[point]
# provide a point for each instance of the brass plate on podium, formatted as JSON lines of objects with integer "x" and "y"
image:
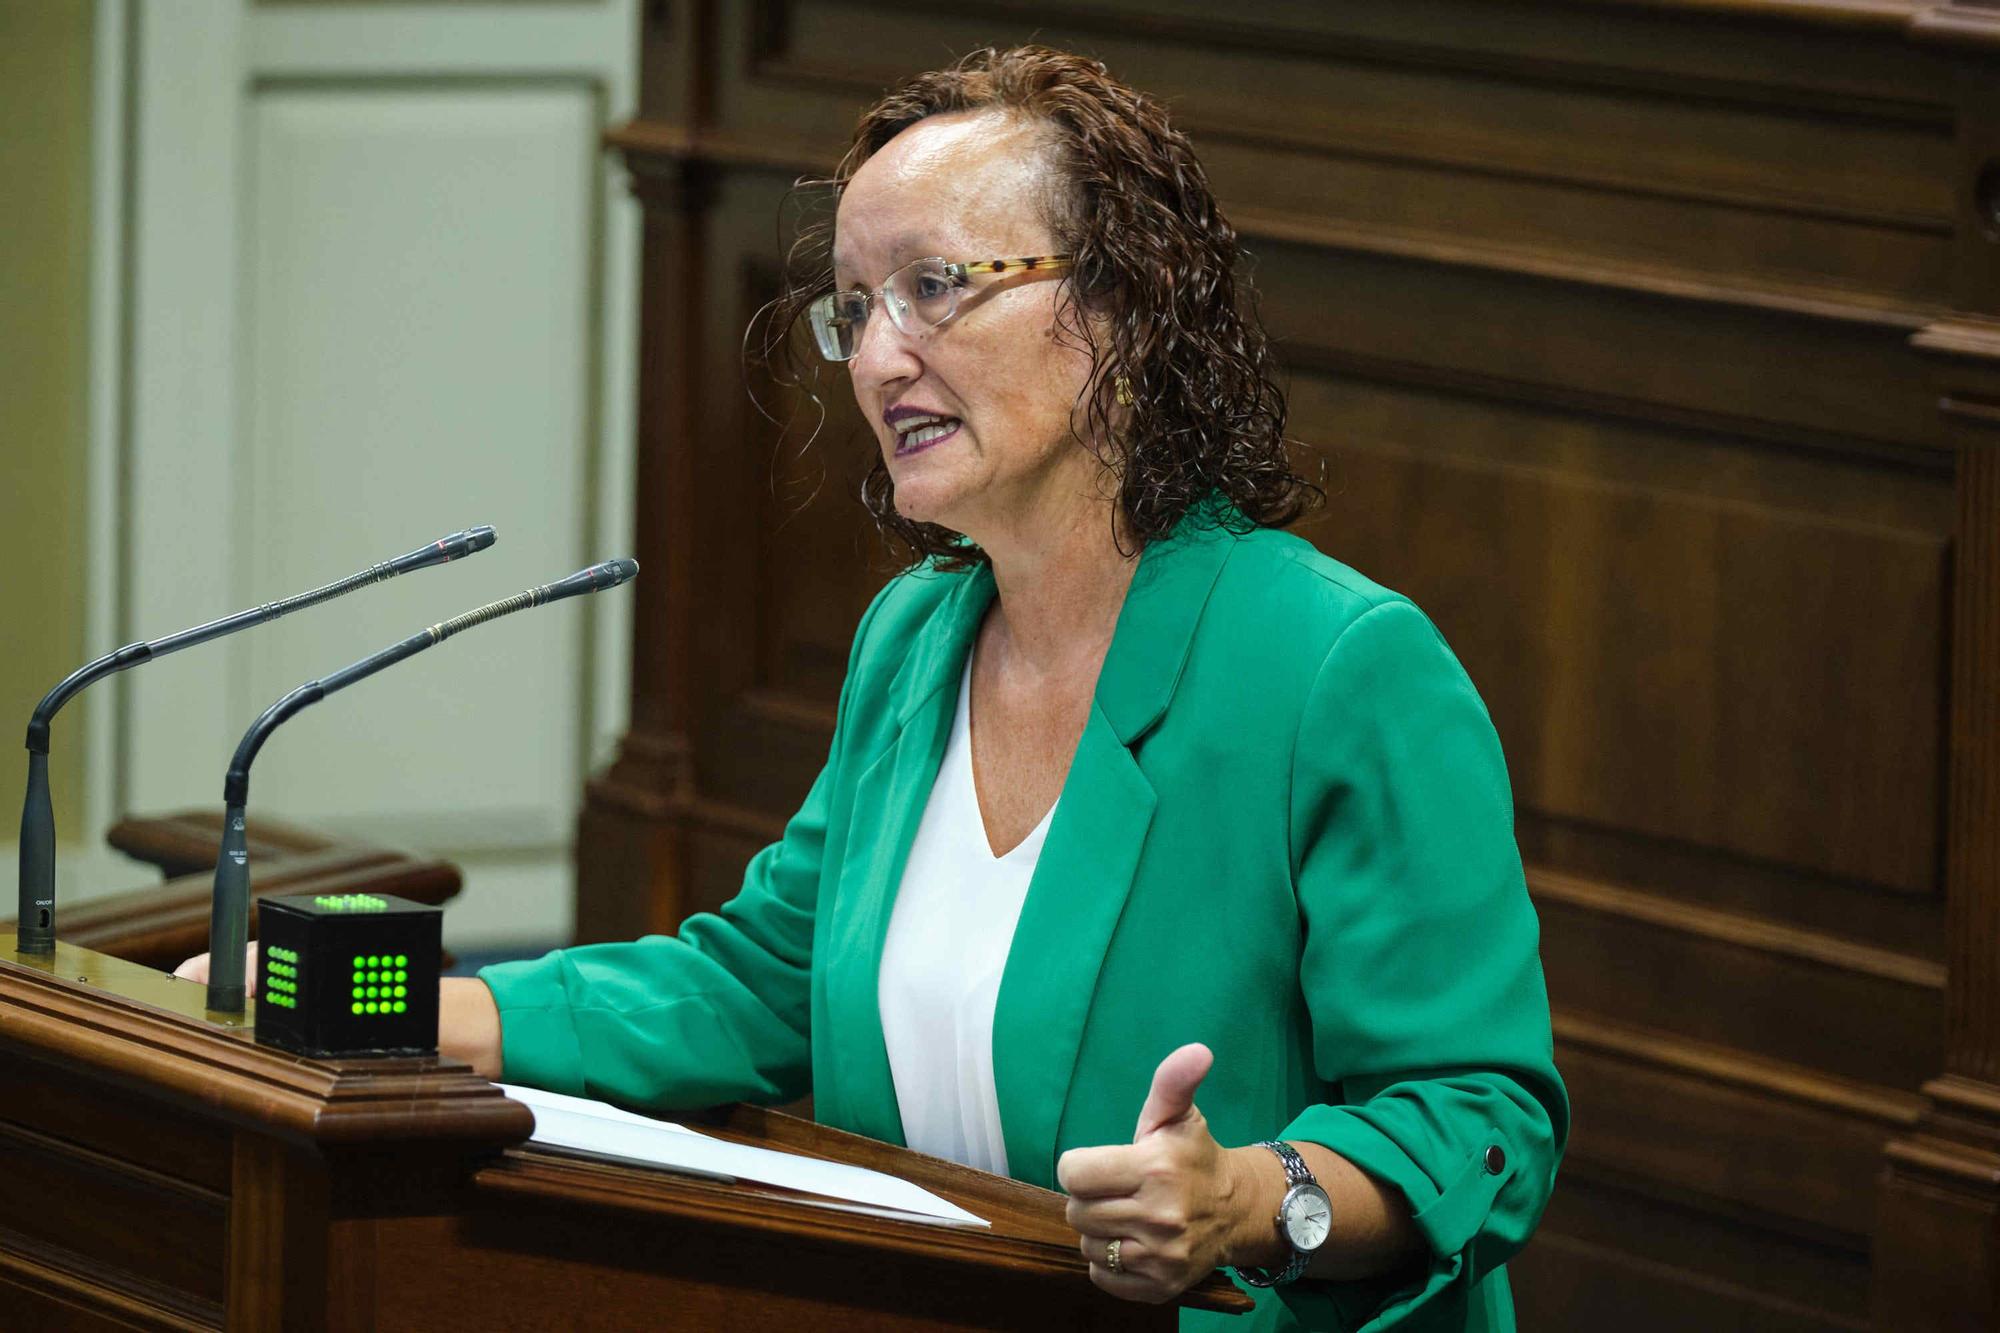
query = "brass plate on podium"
{"x": 130, "y": 981}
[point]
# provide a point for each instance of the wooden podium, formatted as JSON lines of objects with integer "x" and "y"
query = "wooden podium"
{"x": 160, "y": 1170}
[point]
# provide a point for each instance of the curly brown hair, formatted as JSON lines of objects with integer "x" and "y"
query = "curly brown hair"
{"x": 1153, "y": 268}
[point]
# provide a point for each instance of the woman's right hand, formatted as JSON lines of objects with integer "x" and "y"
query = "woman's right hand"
{"x": 469, "y": 1025}
{"x": 196, "y": 969}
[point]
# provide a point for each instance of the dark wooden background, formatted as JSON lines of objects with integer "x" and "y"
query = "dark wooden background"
{"x": 1654, "y": 346}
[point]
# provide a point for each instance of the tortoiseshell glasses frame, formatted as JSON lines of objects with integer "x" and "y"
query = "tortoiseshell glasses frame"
{"x": 919, "y": 296}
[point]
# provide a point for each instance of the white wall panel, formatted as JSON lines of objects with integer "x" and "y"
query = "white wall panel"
{"x": 417, "y": 358}
{"x": 373, "y": 281}
{"x": 181, "y": 405}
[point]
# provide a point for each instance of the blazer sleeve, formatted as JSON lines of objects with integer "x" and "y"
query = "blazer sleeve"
{"x": 719, "y": 1012}
{"x": 1420, "y": 969}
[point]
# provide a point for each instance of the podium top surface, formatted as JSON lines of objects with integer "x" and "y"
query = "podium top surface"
{"x": 1028, "y": 1235}
{"x": 101, "y": 1018}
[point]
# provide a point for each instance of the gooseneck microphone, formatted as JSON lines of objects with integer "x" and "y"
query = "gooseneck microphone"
{"x": 36, "y": 923}
{"x": 229, "y": 915}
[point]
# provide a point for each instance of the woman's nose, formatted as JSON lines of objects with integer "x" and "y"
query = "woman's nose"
{"x": 885, "y": 354}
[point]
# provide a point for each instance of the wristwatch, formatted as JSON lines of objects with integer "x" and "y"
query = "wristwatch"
{"x": 1305, "y": 1218}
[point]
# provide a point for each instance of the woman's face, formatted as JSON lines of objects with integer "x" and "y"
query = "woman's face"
{"x": 1003, "y": 380}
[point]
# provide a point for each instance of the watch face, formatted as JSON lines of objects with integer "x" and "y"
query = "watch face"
{"x": 1308, "y": 1217}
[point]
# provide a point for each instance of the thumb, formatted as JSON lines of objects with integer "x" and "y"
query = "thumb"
{"x": 1174, "y": 1082}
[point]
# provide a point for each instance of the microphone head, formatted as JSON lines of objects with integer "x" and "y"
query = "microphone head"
{"x": 453, "y": 547}
{"x": 598, "y": 577}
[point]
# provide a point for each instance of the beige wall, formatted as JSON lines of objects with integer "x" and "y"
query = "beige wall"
{"x": 45, "y": 101}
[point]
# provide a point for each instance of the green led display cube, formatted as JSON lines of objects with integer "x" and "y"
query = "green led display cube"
{"x": 350, "y": 974}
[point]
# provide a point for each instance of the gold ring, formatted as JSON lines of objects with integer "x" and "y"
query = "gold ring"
{"x": 1111, "y": 1254}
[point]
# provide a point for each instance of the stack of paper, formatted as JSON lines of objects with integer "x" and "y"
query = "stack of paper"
{"x": 596, "y": 1129}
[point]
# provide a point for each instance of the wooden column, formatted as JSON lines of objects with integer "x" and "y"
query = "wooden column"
{"x": 632, "y": 837}
{"x": 1937, "y": 1255}
{"x": 1937, "y": 1249}
{"x": 632, "y": 833}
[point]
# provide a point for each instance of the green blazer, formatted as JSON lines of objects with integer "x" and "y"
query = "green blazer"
{"x": 1287, "y": 833}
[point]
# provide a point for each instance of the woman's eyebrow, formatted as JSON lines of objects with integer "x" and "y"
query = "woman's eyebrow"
{"x": 907, "y": 248}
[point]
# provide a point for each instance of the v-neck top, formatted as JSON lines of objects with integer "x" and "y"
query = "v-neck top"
{"x": 949, "y": 935}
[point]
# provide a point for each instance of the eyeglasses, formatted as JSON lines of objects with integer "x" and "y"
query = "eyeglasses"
{"x": 918, "y": 296}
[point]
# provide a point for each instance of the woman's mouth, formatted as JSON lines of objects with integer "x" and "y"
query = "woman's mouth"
{"x": 916, "y": 434}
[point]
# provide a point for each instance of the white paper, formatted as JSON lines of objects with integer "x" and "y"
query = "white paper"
{"x": 581, "y": 1125}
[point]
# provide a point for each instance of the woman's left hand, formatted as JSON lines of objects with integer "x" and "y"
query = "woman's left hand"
{"x": 1172, "y": 1207}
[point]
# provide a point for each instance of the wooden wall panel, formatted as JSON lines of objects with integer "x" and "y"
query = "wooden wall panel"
{"x": 1648, "y": 693}
{"x": 1651, "y": 347}
{"x": 157, "y": 1239}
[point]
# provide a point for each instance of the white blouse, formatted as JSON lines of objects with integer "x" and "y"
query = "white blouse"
{"x": 949, "y": 935}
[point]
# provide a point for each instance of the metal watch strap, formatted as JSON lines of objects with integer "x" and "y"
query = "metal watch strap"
{"x": 1296, "y": 1173}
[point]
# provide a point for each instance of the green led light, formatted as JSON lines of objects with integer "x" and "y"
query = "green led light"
{"x": 373, "y": 977}
{"x": 399, "y": 1006}
{"x": 402, "y": 960}
{"x": 371, "y": 1008}
{"x": 357, "y": 1006}
{"x": 399, "y": 992}
{"x": 350, "y": 902}
{"x": 360, "y": 961}
{"x": 402, "y": 976}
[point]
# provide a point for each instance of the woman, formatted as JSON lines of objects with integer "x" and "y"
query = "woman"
{"x": 1146, "y": 829}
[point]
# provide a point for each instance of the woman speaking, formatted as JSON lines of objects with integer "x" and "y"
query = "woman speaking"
{"x": 1158, "y": 857}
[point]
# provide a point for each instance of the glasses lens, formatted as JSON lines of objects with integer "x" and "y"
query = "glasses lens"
{"x": 922, "y": 295}
{"x": 836, "y": 324}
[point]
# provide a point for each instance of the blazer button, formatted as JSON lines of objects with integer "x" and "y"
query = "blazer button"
{"x": 1496, "y": 1161}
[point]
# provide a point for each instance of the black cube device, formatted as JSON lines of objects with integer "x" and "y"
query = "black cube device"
{"x": 348, "y": 974}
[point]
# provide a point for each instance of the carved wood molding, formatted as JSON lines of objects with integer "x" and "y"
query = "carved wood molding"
{"x": 775, "y": 62}
{"x": 1888, "y": 1107}
{"x": 1570, "y": 398}
{"x": 1866, "y": 14}
{"x": 1971, "y": 24}
{"x": 82, "y": 1283}
{"x": 643, "y": 142}
{"x": 1961, "y": 338}
{"x": 1747, "y": 932}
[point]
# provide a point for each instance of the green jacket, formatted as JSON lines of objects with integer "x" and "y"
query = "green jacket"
{"x": 1286, "y": 833}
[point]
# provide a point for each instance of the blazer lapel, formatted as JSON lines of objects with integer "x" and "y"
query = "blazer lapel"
{"x": 889, "y": 801}
{"x": 1092, "y": 851}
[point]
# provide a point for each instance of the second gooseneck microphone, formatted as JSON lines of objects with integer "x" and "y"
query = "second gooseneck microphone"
{"x": 229, "y": 915}
{"x": 36, "y": 922}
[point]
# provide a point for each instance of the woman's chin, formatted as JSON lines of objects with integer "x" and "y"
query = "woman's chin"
{"x": 923, "y": 500}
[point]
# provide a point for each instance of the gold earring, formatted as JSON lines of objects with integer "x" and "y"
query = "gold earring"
{"x": 1121, "y": 388}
